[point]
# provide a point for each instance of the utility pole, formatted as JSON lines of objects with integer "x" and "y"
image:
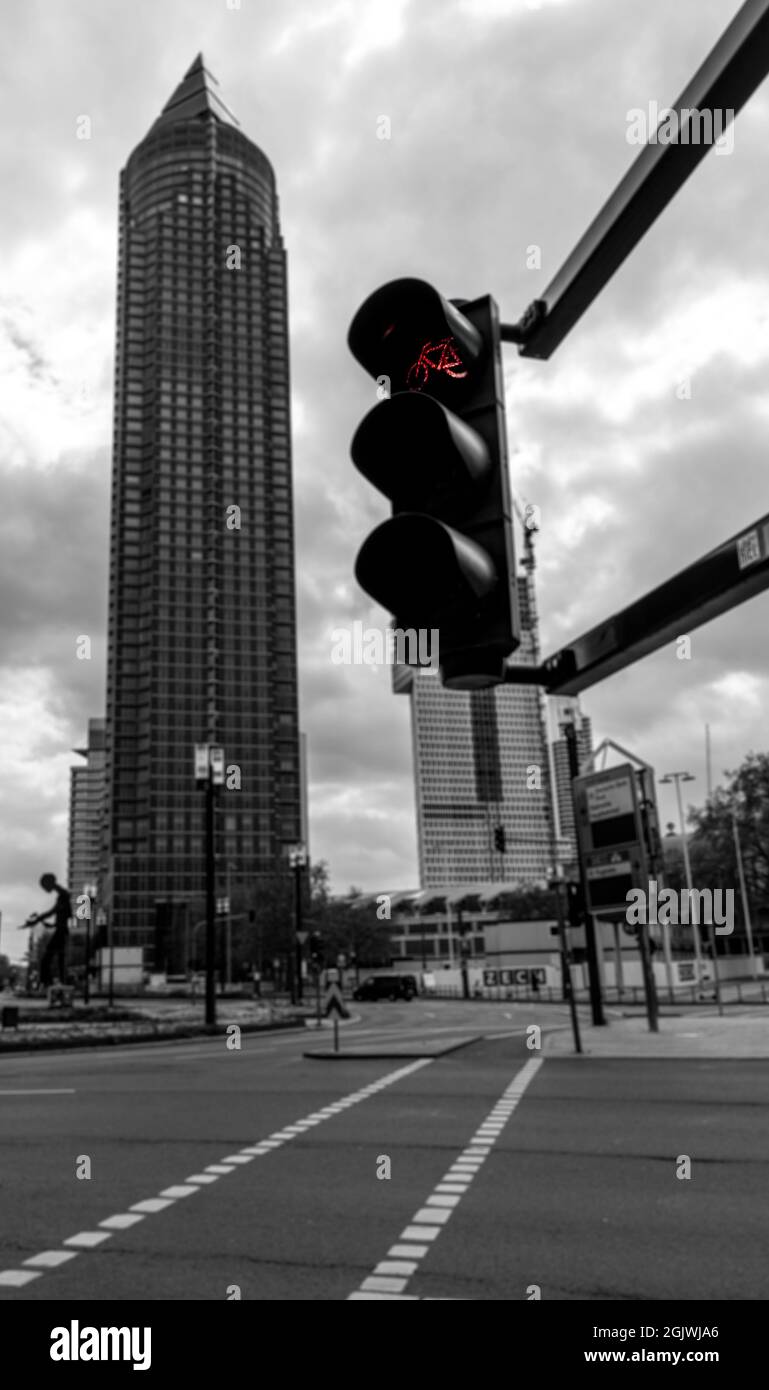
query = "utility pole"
{"x": 596, "y": 1002}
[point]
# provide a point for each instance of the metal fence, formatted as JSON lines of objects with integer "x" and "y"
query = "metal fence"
{"x": 745, "y": 992}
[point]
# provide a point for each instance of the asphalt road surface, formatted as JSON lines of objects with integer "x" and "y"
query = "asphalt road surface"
{"x": 510, "y": 1172}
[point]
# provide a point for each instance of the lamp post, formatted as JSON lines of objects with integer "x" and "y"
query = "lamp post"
{"x": 102, "y": 921}
{"x": 297, "y": 858}
{"x": 91, "y": 889}
{"x": 209, "y": 774}
{"x": 678, "y": 778}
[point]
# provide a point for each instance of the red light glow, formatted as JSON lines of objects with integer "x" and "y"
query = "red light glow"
{"x": 435, "y": 357}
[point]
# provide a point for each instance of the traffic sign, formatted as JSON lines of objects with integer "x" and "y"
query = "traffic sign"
{"x": 302, "y": 936}
{"x": 333, "y": 1002}
{"x": 610, "y": 836}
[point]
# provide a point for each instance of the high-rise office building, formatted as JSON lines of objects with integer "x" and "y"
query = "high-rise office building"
{"x": 202, "y": 642}
{"x": 565, "y": 710}
{"x": 480, "y": 772}
{"x": 86, "y": 805}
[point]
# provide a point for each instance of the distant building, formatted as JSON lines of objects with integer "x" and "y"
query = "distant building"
{"x": 435, "y": 928}
{"x": 86, "y": 805}
{"x": 480, "y": 771}
{"x": 564, "y": 710}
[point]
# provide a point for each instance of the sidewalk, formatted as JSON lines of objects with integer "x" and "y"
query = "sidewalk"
{"x": 692, "y": 1035}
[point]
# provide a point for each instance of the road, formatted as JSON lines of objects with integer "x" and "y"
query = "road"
{"x": 569, "y": 1188}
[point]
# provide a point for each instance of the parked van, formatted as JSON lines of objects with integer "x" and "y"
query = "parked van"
{"x": 386, "y": 987}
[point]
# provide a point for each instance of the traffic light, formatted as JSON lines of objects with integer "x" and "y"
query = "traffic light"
{"x": 316, "y": 949}
{"x": 436, "y": 446}
{"x": 500, "y": 838}
{"x": 575, "y": 900}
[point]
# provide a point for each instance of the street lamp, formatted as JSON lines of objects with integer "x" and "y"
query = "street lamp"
{"x": 297, "y": 858}
{"x": 91, "y": 890}
{"x": 209, "y": 775}
{"x": 101, "y": 921}
{"x": 743, "y": 889}
{"x": 678, "y": 778}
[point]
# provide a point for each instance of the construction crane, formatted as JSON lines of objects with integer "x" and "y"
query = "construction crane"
{"x": 527, "y": 514}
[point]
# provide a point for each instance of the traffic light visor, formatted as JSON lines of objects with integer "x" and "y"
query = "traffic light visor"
{"x": 416, "y": 566}
{"x": 406, "y": 331}
{"x": 421, "y": 456}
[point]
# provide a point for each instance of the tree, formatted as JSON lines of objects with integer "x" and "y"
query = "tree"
{"x": 712, "y": 851}
{"x": 348, "y": 925}
{"x": 525, "y": 904}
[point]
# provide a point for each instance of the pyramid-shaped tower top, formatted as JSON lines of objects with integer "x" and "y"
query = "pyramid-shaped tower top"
{"x": 195, "y": 96}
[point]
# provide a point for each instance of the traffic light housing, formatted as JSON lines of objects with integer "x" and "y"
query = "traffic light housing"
{"x": 435, "y": 445}
{"x": 500, "y": 839}
{"x": 316, "y": 949}
{"x": 575, "y": 900}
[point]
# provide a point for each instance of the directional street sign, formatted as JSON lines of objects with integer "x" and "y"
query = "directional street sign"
{"x": 334, "y": 1003}
{"x": 610, "y": 836}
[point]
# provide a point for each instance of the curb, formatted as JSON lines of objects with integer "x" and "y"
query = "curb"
{"x": 112, "y": 1040}
{"x": 385, "y": 1055}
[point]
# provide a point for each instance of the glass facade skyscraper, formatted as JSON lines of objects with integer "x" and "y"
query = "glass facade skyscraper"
{"x": 484, "y": 813}
{"x": 202, "y": 640}
{"x": 86, "y": 802}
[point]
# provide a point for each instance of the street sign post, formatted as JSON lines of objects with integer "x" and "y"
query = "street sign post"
{"x": 334, "y": 1004}
{"x": 613, "y": 853}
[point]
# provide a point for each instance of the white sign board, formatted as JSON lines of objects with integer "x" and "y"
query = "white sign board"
{"x": 608, "y": 799}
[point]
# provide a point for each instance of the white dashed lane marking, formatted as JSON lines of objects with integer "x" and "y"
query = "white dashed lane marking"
{"x": 37, "y": 1265}
{"x": 391, "y": 1275}
{"x": 60, "y": 1091}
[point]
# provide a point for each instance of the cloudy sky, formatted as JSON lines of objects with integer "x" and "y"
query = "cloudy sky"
{"x": 508, "y": 129}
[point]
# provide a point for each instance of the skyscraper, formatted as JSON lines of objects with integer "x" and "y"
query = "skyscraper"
{"x": 86, "y": 804}
{"x": 482, "y": 790}
{"x": 566, "y": 710}
{"x": 202, "y": 642}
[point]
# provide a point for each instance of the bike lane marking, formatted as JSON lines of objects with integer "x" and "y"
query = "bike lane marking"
{"x": 389, "y": 1278}
{"x": 36, "y": 1265}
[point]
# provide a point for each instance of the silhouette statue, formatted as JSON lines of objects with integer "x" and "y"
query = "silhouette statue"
{"x": 57, "y": 944}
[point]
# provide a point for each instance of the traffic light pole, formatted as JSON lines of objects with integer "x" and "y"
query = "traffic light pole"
{"x": 722, "y": 85}
{"x": 568, "y": 986}
{"x": 596, "y": 1002}
{"x": 210, "y": 905}
{"x": 650, "y": 989}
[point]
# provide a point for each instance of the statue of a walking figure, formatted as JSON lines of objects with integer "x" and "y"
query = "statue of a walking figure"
{"x": 56, "y": 947}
